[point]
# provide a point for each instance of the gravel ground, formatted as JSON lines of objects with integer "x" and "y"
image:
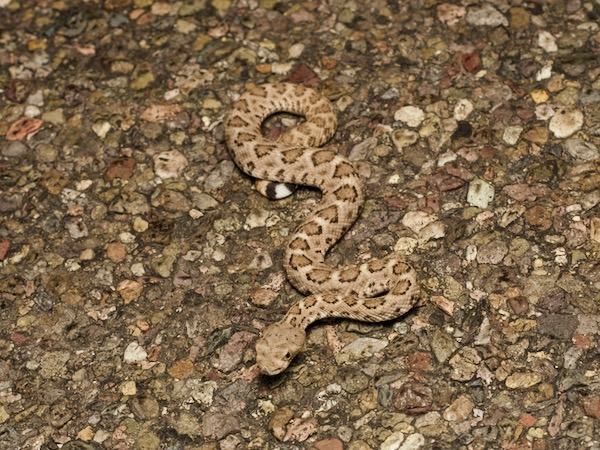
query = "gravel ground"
{"x": 138, "y": 265}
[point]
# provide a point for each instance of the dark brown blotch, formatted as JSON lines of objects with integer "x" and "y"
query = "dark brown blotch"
{"x": 343, "y": 169}
{"x": 298, "y": 261}
{"x": 310, "y": 229}
{"x": 346, "y": 193}
{"x": 319, "y": 275}
{"x": 377, "y": 265}
{"x": 291, "y": 156}
{"x": 330, "y": 214}
{"x": 374, "y": 303}
{"x": 299, "y": 244}
{"x": 402, "y": 287}
{"x": 349, "y": 275}
{"x": 400, "y": 268}
{"x": 323, "y": 157}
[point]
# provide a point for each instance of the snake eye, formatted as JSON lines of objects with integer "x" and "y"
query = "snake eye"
{"x": 287, "y": 355}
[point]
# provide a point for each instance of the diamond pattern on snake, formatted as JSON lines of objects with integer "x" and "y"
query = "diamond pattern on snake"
{"x": 378, "y": 290}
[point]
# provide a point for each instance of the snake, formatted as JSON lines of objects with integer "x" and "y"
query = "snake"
{"x": 374, "y": 291}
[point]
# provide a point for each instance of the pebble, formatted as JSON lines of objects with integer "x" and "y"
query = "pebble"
{"x": 329, "y": 444}
{"x": 22, "y": 128}
{"x": 360, "y": 349}
{"x": 459, "y": 410}
{"x": 412, "y": 116}
{"x": 544, "y": 73}
{"x": 486, "y": 15}
{"x": 413, "y": 442}
{"x": 77, "y": 228}
{"x": 53, "y": 364}
{"x": 169, "y": 164}
{"x": 404, "y": 138}
{"x": 14, "y": 150}
{"x": 231, "y": 353}
{"x": 595, "y": 229}
{"x": 547, "y": 42}
{"x": 581, "y": 150}
{"x": 539, "y": 96}
{"x": 134, "y": 352}
{"x": 565, "y": 122}
{"x": 464, "y": 364}
{"x": 522, "y": 380}
{"x": 492, "y": 253}
{"x": 450, "y": 14}
{"x": 418, "y": 220}
{"x": 279, "y": 421}
{"x": 480, "y": 193}
{"x": 101, "y": 129}
{"x": 463, "y": 109}
{"x": 511, "y": 134}
{"x": 189, "y": 425}
{"x": 393, "y": 441}
{"x": 120, "y": 168}
{"x": 301, "y": 429}
{"x": 130, "y": 290}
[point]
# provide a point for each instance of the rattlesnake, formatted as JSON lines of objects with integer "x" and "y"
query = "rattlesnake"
{"x": 378, "y": 290}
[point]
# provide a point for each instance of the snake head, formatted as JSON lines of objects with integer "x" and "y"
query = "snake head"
{"x": 277, "y": 347}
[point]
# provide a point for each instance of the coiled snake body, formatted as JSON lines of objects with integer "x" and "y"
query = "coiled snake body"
{"x": 379, "y": 290}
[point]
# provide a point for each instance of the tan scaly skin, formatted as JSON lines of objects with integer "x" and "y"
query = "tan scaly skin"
{"x": 379, "y": 290}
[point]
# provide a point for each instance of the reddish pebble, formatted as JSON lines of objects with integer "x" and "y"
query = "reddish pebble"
{"x": 527, "y": 420}
{"x": 329, "y": 444}
{"x": 23, "y": 127}
{"x": 4, "y": 248}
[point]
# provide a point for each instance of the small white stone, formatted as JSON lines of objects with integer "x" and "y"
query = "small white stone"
{"x": 417, "y": 220}
{"x": 471, "y": 253}
{"x": 71, "y": 265}
{"x": 406, "y": 245}
{"x": 447, "y": 157}
{"x": 32, "y": 111}
{"x": 393, "y": 441}
{"x": 36, "y": 99}
{"x": 403, "y": 138}
{"x": 480, "y": 193}
{"x": 101, "y": 129}
{"x": 126, "y": 237}
{"x": 169, "y": 164}
{"x": 171, "y": 94}
{"x": 511, "y": 134}
{"x": 343, "y": 102}
{"x": 138, "y": 269}
{"x": 256, "y": 219}
{"x": 82, "y": 185}
{"x": 77, "y": 228}
{"x": 463, "y": 109}
{"x": 281, "y": 68}
{"x": 544, "y": 73}
{"x": 547, "y": 42}
{"x": 296, "y": 50}
{"x": 195, "y": 213}
{"x": 566, "y": 122}
{"x": 134, "y": 353}
{"x": 362, "y": 348}
{"x": 394, "y": 179}
{"x": 435, "y": 230}
{"x": 410, "y": 115}
{"x": 543, "y": 111}
{"x": 413, "y": 442}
